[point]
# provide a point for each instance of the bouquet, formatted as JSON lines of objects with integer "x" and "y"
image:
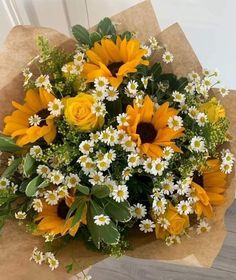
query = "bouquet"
{"x": 110, "y": 140}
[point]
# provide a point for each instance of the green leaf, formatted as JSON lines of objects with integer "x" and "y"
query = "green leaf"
{"x": 79, "y": 212}
{"x": 7, "y": 144}
{"x": 29, "y": 165}
{"x": 156, "y": 70}
{"x": 127, "y": 35}
{"x": 106, "y": 233}
{"x": 114, "y": 108}
{"x": 182, "y": 83}
{"x": 12, "y": 168}
{"x": 83, "y": 189}
{"x": 105, "y": 27}
{"x": 100, "y": 191}
{"x": 81, "y": 34}
{"x": 73, "y": 207}
{"x": 24, "y": 184}
{"x": 69, "y": 267}
{"x": 118, "y": 211}
{"x": 95, "y": 37}
{"x": 33, "y": 186}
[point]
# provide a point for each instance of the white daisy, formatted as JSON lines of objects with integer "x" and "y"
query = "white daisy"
{"x": 99, "y": 109}
{"x": 224, "y": 91}
{"x": 163, "y": 222}
{"x": 37, "y": 205}
{"x": 193, "y": 76}
{"x": 146, "y": 226}
{"x": 94, "y": 136}
{"x": 101, "y": 220}
{"x": 110, "y": 155}
{"x": 122, "y": 119}
{"x": 42, "y": 81}
{"x": 20, "y": 215}
{"x": 148, "y": 50}
{"x": 111, "y": 184}
{"x": 201, "y": 119}
{"x": 178, "y": 97}
{"x": 203, "y": 226}
{"x": 101, "y": 83}
{"x": 99, "y": 95}
{"x": 184, "y": 208}
{"x": 190, "y": 88}
{"x": 79, "y": 58}
{"x": 126, "y": 173}
{"x": 34, "y": 120}
{"x": 197, "y": 144}
{"x": 88, "y": 166}
{"x": 37, "y": 256}
{"x": 206, "y": 72}
{"x": 128, "y": 145}
{"x": 172, "y": 240}
{"x": 55, "y": 107}
{"x": 86, "y": 146}
{"x": 112, "y": 94}
{"x": 132, "y": 88}
{"x": 167, "y": 57}
{"x": 168, "y": 153}
{"x": 138, "y": 211}
{"x": 193, "y": 112}
{"x": 206, "y": 82}
{"x": 62, "y": 191}
{"x": 226, "y": 167}
{"x": 4, "y": 183}
{"x": 148, "y": 165}
{"x": 36, "y": 151}
{"x": 96, "y": 178}
{"x": 159, "y": 205}
{"x": 133, "y": 160}
{"x": 51, "y": 197}
{"x": 103, "y": 164}
{"x": 158, "y": 167}
{"x": 49, "y": 237}
{"x": 153, "y": 43}
{"x": 183, "y": 188}
{"x": 71, "y": 69}
{"x": 51, "y": 260}
{"x": 72, "y": 180}
{"x": 10, "y": 160}
{"x": 56, "y": 177}
{"x": 43, "y": 170}
{"x": 227, "y": 156}
{"x": 168, "y": 187}
{"x": 120, "y": 193}
{"x": 175, "y": 123}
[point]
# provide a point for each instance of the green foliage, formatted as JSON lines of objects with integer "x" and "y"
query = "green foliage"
{"x": 100, "y": 191}
{"x": 83, "y": 189}
{"x": 7, "y": 144}
{"x": 10, "y": 170}
{"x": 106, "y": 28}
{"x": 33, "y": 186}
{"x": 29, "y": 165}
{"x": 81, "y": 34}
{"x": 117, "y": 211}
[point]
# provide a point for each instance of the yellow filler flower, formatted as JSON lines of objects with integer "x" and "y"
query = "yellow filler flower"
{"x": 148, "y": 127}
{"x": 114, "y": 60}
{"x": 32, "y": 120}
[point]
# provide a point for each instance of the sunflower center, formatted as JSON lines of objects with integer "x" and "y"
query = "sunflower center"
{"x": 147, "y": 132}
{"x": 114, "y": 67}
{"x": 198, "y": 179}
{"x": 62, "y": 209}
{"x": 43, "y": 114}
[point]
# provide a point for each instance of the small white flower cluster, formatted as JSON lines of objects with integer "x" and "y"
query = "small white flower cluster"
{"x": 49, "y": 258}
{"x": 20, "y": 215}
{"x": 154, "y": 45}
{"x": 155, "y": 167}
{"x": 43, "y": 81}
{"x": 27, "y": 75}
{"x": 75, "y": 67}
{"x": 172, "y": 240}
{"x": 228, "y": 160}
{"x": 197, "y": 144}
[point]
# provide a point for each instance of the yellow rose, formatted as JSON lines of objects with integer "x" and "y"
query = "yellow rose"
{"x": 78, "y": 112}
{"x": 213, "y": 109}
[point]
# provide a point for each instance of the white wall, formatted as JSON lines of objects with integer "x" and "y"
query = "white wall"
{"x": 208, "y": 24}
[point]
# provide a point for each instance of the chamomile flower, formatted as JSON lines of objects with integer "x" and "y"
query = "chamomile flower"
{"x": 101, "y": 220}
{"x": 36, "y": 151}
{"x": 193, "y": 76}
{"x": 120, "y": 193}
{"x": 148, "y": 165}
{"x": 96, "y": 178}
{"x": 62, "y": 191}
{"x": 34, "y": 120}
{"x": 227, "y": 156}
{"x": 99, "y": 109}
{"x": 168, "y": 187}
{"x": 224, "y": 91}
{"x": 4, "y": 183}
{"x": 201, "y": 119}
{"x": 133, "y": 160}
{"x": 132, "y": 88}
{"x": 206, "y": 82}
{"x": 112, "y": 94}
{"x": 122, "y": 119}
{"x": 190, "y": 88}
{"x": 206, "y": 72}
{"x": 159, "y": 205}
{"x": 153, "y": 43}
{"x": 88, "y": 166}
{"x": 55, "y": 107}
{"x": 99, "y": 95}
{"x": 103, "y": 164}
{"x": 146, "y": 226}
{"x": 193, "y": 112}
{"x": 197, "y": 144}
{"x": 175, "y": 123}
{"x": 94, "y": 136}
{"x": 71, "y": 69}
{"x": 51, "y": 260}
{"x": 72, "y": 180}
{"x": 110, "y": 155}
{"x": 10, "y": 160}
{"x": 163, "y": 222}
{"x": 111, "y": 184}
{"x": 126, "y": 173}
{"x": 172, "y": 240}
{"x": 178, "y": 97}
{"x": 128, "y": 145}
{"x": 226, "y": 167}
{"x": 37, "y": 205}
{"x": 86, "y": 146}
{"x": 49, "y": 237}
{"x": 56, "y": 177}
{"x": 148, "y": 50}
{"x": 167, "y": 57}
{"x": 51, "y": 197}
{"x": 203, "y": 226}
{"x": 138, "y": 211}
{"x": 37, "y": 256}
{"x": 43, "y": 170}
{"x": 20, "y": 215}
{"x": 158, "y": 167}
{"x": 79, "y": 58}
{"x": 145, "y": 81}
{"x": 184, "y": 208}
{"x": 183, "y": 186}
{"x": 168, "y": 153}
{"x": 42, "y": 81}
{"x": 101, "y": 83}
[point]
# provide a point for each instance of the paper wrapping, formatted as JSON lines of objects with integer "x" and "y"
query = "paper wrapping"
{"x": 15, "y": 244}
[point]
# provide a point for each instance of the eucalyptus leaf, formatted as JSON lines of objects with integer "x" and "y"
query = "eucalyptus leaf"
{"x": 33, "y": 186}
{"x": 100, "y": 191}
{"x": 81, "y": 34}
{"x": 12, "y": 168}
{"x": 29, "y": 165}
{"x": 7, "y": 144}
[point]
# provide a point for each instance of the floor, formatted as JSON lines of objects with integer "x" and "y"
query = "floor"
{"x": 127, "y": 268}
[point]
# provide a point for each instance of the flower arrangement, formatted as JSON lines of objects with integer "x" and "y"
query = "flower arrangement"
{"x": 105, "y": 142}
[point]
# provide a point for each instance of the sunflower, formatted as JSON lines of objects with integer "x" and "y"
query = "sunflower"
{"x": 148, "y": 128}
{"x": 52, "y": 219}
{"x": 32, "y": 120}
{"x": 209, "y": 188}
{"x": 114, "y": 60}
